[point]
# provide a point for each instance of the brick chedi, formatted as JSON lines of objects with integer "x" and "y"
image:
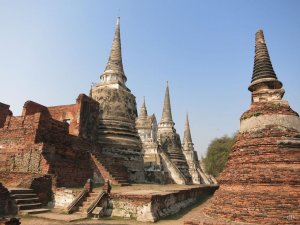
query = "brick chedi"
{"x": 116, "y": 127}
{"x": 170, "y": 140}
{"x": 261, "y": 181}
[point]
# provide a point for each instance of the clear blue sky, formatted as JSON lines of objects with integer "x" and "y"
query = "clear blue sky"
{"x": 50, "y": 51}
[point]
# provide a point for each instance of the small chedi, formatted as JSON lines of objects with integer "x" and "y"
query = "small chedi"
{"x": 166, "y": 160}
{"x": 196, "y": 172}
{"x": 260, "y": 184}
{"x": 170, "y": 140}
{"x": 147, "y": 130}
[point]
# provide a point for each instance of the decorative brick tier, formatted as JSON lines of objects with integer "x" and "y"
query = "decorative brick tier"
{"x": 268, "y": 108}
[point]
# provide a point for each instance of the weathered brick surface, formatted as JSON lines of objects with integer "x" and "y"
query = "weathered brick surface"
{"x": 4, "y": 112}
{"x": 268, "y": 108}
{"x": 57, "y": 141}
{"x": 4, "y": 195}
{"x": 9, "y": 221}
{"x": 36, "y": 144}
{"x": 82, "y": 116}
{"x": 261, "y": 182}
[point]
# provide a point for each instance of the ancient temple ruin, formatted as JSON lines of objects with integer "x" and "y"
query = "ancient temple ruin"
{"x": 260, "y": 183}
{"x": 116, "y": 130}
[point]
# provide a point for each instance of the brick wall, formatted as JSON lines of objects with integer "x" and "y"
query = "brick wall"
{"x": 4, "y": 112}
{"x": 82, "y": 116}
{"x": 41, "y": 142}
{"x": 4, "y": 195}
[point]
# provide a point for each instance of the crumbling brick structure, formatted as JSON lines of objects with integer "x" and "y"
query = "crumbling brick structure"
{"x": 4, "y": 195}
{"x": 4, "y": 112}
{"x": 53, "y": 141}
{"x": 260, "y": 184}
{"x": 9, "y": 221}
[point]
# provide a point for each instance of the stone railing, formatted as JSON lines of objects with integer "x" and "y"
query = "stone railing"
{"x": 95, "y": 203}
{"x": 175, "y": 173}
{"x": 77, "y": 201}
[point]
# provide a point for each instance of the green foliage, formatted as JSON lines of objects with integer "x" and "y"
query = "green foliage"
{"x": 217, "y": 155}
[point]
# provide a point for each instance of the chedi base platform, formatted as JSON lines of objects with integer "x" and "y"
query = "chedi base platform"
{"x": 149, "y": 203}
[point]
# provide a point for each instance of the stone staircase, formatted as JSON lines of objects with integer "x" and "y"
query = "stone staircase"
{"x": 111, "y": 169}
{"x": 180, "y": 162}
{"x": 87, "y": 202}
{"x": 26, "y": 201}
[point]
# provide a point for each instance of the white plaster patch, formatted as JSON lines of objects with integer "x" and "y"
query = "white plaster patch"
{"x": 260, "y": 122}
{"x": 145, "y": 213}
{"x": 63, "y": 198}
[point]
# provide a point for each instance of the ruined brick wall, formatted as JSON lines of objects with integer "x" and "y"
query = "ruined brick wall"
{"x": 36, "y": 144}
{"x": 89, "y": 117}
{"x": 42, "y": 186}
{"x": 10, "y": 221}
{"x": 4, "y": 112}
{"x": 82, "y": 116}
{"x": 19, "y": 152}
{"x": 4, "y": 195}
{"x": 30, "y": 108}
{"x": 68, "y": 114}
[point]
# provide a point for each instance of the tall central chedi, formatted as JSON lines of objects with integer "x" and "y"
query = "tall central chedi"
{"x": 261, "y": 180}
{"x": 116, "y": 128}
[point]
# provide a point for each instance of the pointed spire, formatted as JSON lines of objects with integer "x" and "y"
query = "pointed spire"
{"x": 187, "y": 138}
{"x": 263, "y": 71}
{"x": 114, "y": 65}
{"x": 167, "y": 113}
{"x": 143, "y": 112}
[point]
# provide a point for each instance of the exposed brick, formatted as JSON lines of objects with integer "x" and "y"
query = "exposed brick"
{"x": 4, "y": 195}
{"x": 4, "y": 112}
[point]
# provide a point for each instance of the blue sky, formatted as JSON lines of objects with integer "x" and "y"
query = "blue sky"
{"x": 50, "y": 51}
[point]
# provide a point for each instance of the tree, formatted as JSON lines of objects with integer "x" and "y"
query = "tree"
{"x": 217, "y": 155}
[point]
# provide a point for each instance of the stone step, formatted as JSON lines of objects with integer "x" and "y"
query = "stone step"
{"x": 92, "y": 194}
{"x": 87, "y": 203}
{"x": 20, "y": 191}
{"x": 119, "y": 177}
{"x": 122, "y": 180}
{"x": 29, "y": 206}
{"x": 23, "y": 196}
{"x": 33, "y": 211}
{"x": 90, "y": 199}
{"x": 125, "y": 184}
{"x": 26, "y": 200}
{"x": 83, "y": 209}
{"x": 116, "y": 171}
